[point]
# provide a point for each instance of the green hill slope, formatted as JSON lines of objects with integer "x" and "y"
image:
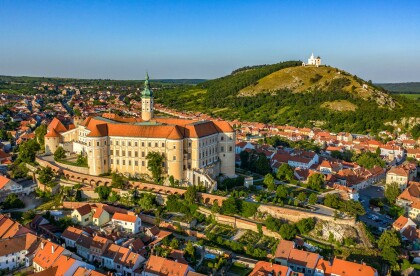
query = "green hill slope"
{"x": 287, "y": 93}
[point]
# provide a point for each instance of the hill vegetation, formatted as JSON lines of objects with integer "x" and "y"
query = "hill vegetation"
{"x": 287, "y": 93}
{"x": 402, "y": 88}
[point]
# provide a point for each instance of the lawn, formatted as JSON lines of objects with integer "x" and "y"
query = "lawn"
{"x": 239, "y": 269}
{"x": 411, "y": 96}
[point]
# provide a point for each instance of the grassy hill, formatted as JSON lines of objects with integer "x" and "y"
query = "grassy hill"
{"x": 287, "y": 93}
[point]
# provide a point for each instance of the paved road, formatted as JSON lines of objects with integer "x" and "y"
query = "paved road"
{"x": 372, "y": 218}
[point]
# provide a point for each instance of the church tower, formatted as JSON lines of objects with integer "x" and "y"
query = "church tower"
{"x": 146, "y": 101}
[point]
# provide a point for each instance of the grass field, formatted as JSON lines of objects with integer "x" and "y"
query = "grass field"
{"x": 411, "y": 96}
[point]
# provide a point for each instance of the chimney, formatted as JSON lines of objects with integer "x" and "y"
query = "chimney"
{"x": 52, "y": 249}
{"x": 42, "y": 245}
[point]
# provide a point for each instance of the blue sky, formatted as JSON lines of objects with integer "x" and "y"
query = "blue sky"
{"x": 377, "y": 40}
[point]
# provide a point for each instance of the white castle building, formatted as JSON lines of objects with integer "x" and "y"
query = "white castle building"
{"x": 193, "y": 151}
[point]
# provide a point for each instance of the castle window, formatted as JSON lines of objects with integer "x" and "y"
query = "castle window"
{"x": 97, "y": 144}
{"x": 230, "y": 148}
{"x": 129, "y": 162}
{"x": 136, "y": 154}
{"x": 112, "y": 161}
{"x": 136, "y": 144}
{"x": 117, "y": 153}
{"x": 104, "y": 161}
{"x": 111, "y": 152}
{"x": 129, "y": 144}
{"x": 129, "y": 153}
{"x": 122, "y": 143}
{"x": 163, "y": 145}
{"x": 142, "y": 154}
{"x": 222, "y": 149}
{"x": 156, "y": 145}
{"x": 222, "y": 138}
{"x": 136, "y": 163}
{"x": 149, "y": 144}
{"x": 105, "y": 143}
{"x": 118, "y": 161}
{"x": 123, "y": 162}
{"x": 142, "y": 144}
{"x": 111, "y": 143}
{"x": 116, "y": 143}
{"x": 89, "y": 144}
{"x": 174, "y": 158}
{"x": 142, "y": 163}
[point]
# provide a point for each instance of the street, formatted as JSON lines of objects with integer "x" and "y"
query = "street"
{"x": 371, "y": 217}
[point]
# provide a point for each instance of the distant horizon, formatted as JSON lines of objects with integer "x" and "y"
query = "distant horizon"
{"x": 121, "y": 40}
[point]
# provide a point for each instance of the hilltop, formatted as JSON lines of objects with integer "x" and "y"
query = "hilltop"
{"x": 288, "y": 93}
{"x": 401, "y": 87}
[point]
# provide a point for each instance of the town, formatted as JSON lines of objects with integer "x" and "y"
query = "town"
{"x": 99, "y": 179}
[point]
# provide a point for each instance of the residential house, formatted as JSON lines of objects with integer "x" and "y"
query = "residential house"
{"x": 100, "y": 216}
{"x": 10, "y": 228}
{"x": 158, "y": 266}
{"x": 407, "y": 228}
{"x": 127, "y": 261}
{"x": 262, "y": 268}
{"x": 82, "y": 215}
{"x": 400, "y": 175}
{"x": 409, "y": 199}
{"x": 13, "y": 251}
{"x": 298, "y": 260}
{"x": 130, "y": 222}
{"x": 83, "y": 244}
{"x": 344, "y": 268}
{"x": 46, "y": 254}
{"x": 97, "y": 248}
{"x": 8, "y": 186}
{"x": 71, "y": 235}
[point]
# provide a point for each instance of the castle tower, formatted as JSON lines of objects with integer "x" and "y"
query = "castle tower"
{"x": 146, "y": 101}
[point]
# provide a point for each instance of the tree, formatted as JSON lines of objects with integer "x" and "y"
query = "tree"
{"x": 332, "y": 200}
{"x": 305, "y": 225}
{"x": 249, "y": 209}
{"x": 77, "y": 112}
{"x": 269, "y": 181}
{"x": 285, "y": 173}
{"x": 287, "y": 231}
{"x": 12, "y": 201}
{"x": 114, "y": 197}
{"x": 191, "y": 194}
{"x": 316, "y": 182}
{"x": 28, "y": 215}
{"x": 389, "y": 242}
{"x": 244, "y": 155}
{"x": 59, "y": 154}
{"x": 215, "y": 208}
{"x": 81, "y": 160}
{"x": 392, "y": 191}
{"x": 352, "y": 208}
{"x": 301, "y": 197}
{"x": 154, "y": 165}
{"x": 272, "y": 223}
{"x": 40, "y": 133}
{"x": 103, "y": 192}
{"x": 174, "y": 243}
{"x": 117, "y": 181}
{"x": 282, "y": 192}
{"x": 45, "y": 175}
{"x": 27, "y": 151}
{"x": 389, "y": 238}
{"x": 262, "y": 165}
{"x": 230, "y": 206}
{"x": 312, "y": 199}
{"x": 190, "y": 250}
{"x": 147, "y": 201}
{"x": 369, "y": 160}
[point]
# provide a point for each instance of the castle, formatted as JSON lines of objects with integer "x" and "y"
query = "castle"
{"x": 312, "y": 61}
{"x": 194, "y": 151}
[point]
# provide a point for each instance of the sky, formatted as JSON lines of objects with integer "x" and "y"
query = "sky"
{"x": 376, "y": 40}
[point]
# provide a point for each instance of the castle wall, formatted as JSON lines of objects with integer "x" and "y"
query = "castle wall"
{"x": 51, "y": 144}
{"x": 227, "y": 153}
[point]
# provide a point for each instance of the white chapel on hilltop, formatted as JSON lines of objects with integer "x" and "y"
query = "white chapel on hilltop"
{"x": 312, "y": 61}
